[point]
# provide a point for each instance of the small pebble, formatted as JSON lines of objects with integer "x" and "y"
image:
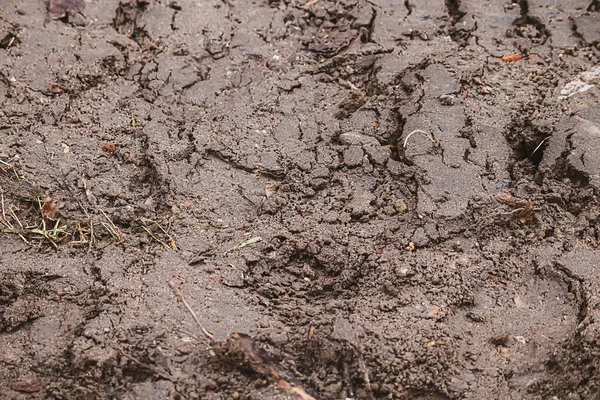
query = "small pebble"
{"x": 520, "y": 339}
{"x": 447, "y": 100}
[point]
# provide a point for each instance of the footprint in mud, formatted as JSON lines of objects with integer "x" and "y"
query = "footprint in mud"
{"x": 509, "y": 334}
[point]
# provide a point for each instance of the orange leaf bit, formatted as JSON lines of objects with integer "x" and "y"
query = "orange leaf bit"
{"x": 512, "y": 57}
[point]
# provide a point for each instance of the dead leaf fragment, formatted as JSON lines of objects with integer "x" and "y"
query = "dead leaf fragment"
{"x": 522, "y": 209}
{"x": 49, "y": 209}
{"x": 525, "y": 214}
{"x": 506, "y": 198}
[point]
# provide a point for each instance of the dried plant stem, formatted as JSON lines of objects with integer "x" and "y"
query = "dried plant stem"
{"x": 419, "y": 131}
{"x": 178, "y": 293}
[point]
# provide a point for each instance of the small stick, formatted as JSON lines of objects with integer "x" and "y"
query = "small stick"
{"x": 419, "y": 131}
{"x": 178, "y": 293}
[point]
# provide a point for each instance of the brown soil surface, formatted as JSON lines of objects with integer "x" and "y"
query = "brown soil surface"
{"x": 169, "y": 133}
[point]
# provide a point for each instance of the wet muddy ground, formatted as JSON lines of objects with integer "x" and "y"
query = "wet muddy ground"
{"x": 259, "y": 154}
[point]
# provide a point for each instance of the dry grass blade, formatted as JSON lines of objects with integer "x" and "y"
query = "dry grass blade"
{"x": 422, "y": 132}
{"x": 169, "y": 243}
{"x": 82, "y": 237}
{"x": 114, "y": 231}
{"x": 245, "y": 243}
{"x": 8, "y": 226}
{"x": 5, "y": 167}
{"x": 14, "y": 216}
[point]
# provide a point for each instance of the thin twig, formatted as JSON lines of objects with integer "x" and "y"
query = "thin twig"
{"x": 179, "y": 294}
{"x": 419, "y": 131}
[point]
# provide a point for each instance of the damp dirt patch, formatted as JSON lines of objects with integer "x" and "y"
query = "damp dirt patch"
{"x": 299, "y": 199}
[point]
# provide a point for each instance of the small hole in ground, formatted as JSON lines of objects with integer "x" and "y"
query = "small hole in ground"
{"x": 528, "y": 142}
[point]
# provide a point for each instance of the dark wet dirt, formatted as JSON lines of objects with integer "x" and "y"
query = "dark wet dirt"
{"x": 168, "y": 133}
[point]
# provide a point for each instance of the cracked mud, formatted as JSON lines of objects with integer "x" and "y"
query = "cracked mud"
{"x": 173, "y": 134}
